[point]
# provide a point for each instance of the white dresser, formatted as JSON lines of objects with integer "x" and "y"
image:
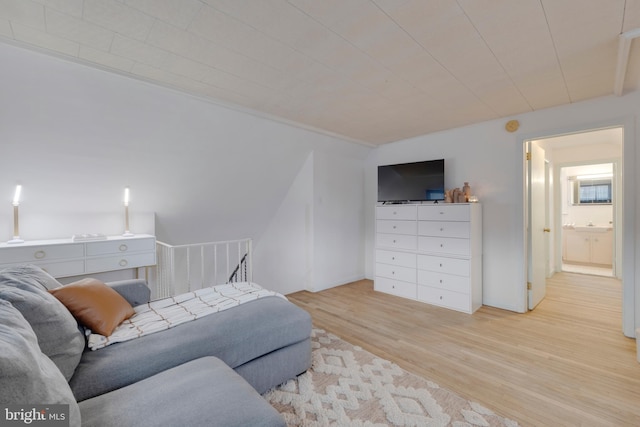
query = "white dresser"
{"x": 66, "y": 258}
{"x": 431, "y": 253}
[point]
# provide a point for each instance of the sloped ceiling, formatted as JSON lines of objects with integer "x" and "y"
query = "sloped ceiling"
{"x": 373, "y": 71}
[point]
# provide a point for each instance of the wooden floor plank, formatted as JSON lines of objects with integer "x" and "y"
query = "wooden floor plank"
{"x": 564, "y": 363}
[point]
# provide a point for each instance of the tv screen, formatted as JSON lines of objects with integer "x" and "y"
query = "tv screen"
{"x": 418, "y": 181}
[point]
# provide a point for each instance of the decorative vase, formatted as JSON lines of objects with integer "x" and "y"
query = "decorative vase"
{"x": 466, "y": 189}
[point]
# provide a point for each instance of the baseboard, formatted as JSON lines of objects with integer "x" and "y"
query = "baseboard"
{"x": 334, "y": 284}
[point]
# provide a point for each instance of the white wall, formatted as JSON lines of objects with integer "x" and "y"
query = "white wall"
{"x": 491, "y": 160}
{"x": 338, "y": 219}
{"x": 75, "y": 136}
{"x": 284, "y": 255}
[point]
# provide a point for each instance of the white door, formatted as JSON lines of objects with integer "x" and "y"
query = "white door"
{"x": 537, "y": 227}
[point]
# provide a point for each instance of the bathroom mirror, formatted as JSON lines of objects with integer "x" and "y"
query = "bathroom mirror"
{"x": 590, "y": 189}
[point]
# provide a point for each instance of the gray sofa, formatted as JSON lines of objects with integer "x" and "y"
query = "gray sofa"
{"x": 210, "y": 371}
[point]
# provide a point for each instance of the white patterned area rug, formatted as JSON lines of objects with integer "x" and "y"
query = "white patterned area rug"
{"x": 348, "y": 386}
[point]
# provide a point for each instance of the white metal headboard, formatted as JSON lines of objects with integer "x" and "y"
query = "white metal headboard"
{"x": 185, "y": 268}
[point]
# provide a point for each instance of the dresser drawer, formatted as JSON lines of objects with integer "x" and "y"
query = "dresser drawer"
{"x": 444, "y": 298}
{"x": 446, "y": 265}
{"x": 444, "y": 245}
{"x": 449, "y": 212}
{"x": 121, "y": 246}
{"x": 397, "y": 212}
{"x": 402, "y": 259}
{"x": 444, "y": 229}
{"x": 395, "y": 287}
{"x": 406, "y": 274}
{"x": 448, "y": 282}
{"x": 119, "y": 262}
{"x": 397, "y": 241}
{"x": 26, "y": 254}
{"x": 396, "y": 227}
{"x": 63, "y": 268}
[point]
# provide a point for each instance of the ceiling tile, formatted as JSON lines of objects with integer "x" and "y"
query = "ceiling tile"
{"x": 231, "y": 82}
{"x": 118, "y": 17}
{"x": 138, "y": 51}
{"x": 25, "y": 12}
{"x": 186, "y": 67}
{"x": 159, "y": 75}
{"x": 69, "y": 7}
{"x": 41, "y": 39}
{"x": 68, "y": 27}
{"x": 5, "y": 29}
{"x": 104, "y": 58}
{"x": 329, "y": 12}
{"x": 378, "y": 70}
{"x": 227, "y": 31}
{"x": 175, "y": 12}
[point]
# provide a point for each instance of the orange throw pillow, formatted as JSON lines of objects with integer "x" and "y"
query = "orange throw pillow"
{"x": 94, "y": 304}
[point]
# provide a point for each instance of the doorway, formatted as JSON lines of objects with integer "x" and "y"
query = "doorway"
{"x": 561, "y": 215}
{"x": 588, "y": 202}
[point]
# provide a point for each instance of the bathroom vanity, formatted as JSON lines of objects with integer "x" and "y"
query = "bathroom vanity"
{"x": 588, "y": 245}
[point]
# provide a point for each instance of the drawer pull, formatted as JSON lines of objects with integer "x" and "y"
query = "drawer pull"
{"x": 440, "y": 264}
{"x": 123, "y": 263}
{"x": 39, "y": 254}
{"x": 123, "y": 247}
{"x": 394, "y": 227}
{"x": 393, "y": 258}
{"x": 440, "y": 296}
{"x": 442, "y": 245}
{"x": 393, "y": 272}
{"x": 441, "y": 228}
{"x": 440, "y": 280}
{"x": 394, "y": 240}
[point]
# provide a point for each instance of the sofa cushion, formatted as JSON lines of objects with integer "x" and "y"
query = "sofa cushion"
{"x": 198, "y": 393}
{"x": 58, "y": 334}
{"x": 28, "y": 377}
{"x": 94, "y": 304}
{"x": 237, "y": 336}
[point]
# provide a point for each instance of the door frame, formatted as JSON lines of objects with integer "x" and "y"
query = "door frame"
{"x": 630, "y": 296}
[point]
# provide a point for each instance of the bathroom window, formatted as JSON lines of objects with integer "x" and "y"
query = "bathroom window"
{"x": 591, "y": 191}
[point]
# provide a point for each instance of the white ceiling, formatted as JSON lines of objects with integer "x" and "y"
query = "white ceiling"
{"x": 369, "y": 70}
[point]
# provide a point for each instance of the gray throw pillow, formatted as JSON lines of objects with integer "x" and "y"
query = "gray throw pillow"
{"x": 57, "y": 330}
{"x": 28, "y": 377}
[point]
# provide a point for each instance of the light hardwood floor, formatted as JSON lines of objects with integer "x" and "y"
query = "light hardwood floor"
{"x": 566, "y": 363}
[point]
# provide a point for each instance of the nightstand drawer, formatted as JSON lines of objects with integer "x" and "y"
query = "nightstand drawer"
{"x": 444, "y": 245}
{"x": 457, "y": 266}
{"x": 396, "y": 227}
{"x": 402, "y": 259}
{"x": 449, "y": 212}
{"x": 444, "y": 229}
{"x": 406, "y": 274}
{"x": 95, "y": 265}
{"x": 395, "y": 287}
{"x": 448, "y": 282}
{"x": 121, "y": 246}
{"x": 397, "y": 241}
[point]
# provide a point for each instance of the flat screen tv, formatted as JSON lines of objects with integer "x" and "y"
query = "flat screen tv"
{"x": 411, "y": 182}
